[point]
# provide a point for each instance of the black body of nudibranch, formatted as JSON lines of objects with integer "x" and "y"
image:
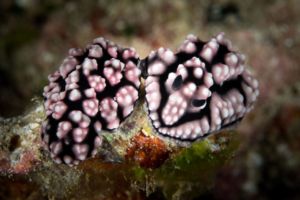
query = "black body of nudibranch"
{"x": 201, "y": 89}
{"x": 94, "y": 89}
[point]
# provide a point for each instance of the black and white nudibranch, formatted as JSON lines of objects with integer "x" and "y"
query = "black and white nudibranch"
{"x": 202, "y": 88}
{"x": 94, "y": 89}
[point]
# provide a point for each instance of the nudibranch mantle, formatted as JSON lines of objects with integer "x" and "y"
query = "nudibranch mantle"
{"x": 94, "y": 89}
{"x": 202, "y": 88}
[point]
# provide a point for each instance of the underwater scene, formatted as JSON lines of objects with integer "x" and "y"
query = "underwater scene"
{"x": 149, "y": 100}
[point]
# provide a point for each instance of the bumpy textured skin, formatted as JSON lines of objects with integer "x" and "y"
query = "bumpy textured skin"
{"x": 201, "y": 89}
{"x": 94, "y": 89}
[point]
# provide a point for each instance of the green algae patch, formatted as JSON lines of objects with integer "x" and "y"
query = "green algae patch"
{"x": 198, "y": 159}
{"x": 139, "y": 173}
{"x": 193, "y": 170}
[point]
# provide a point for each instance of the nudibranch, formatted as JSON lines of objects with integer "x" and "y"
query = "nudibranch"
{"x": 94, "y": 89}
{"x": 202, "y": 88}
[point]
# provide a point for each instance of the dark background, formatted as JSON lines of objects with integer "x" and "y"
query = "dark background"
{"x": 35, "y": 36}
